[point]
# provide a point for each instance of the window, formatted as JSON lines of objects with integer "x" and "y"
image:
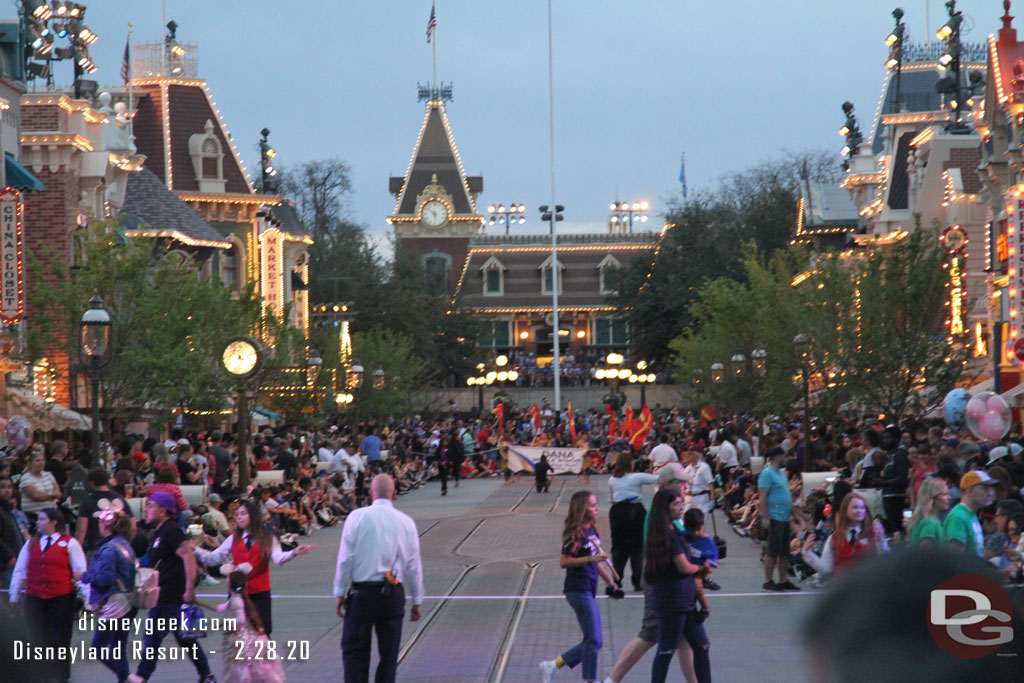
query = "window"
{"x": 493, "y": 272}
{"x": 498, "y": 334}
{"x": 610, "y": 332}
{"x": 609, "y": 271}
{"x": 207, "y": 159}
{"x": 547, "y": 276}
{"x": 228, "y": 267}
{"x": 436, "y": 266}
{"x": 493, "y": 281}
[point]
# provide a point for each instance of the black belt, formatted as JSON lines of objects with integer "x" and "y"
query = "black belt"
{"x": 367, "y": 584}
{"x": 634, "y": 499}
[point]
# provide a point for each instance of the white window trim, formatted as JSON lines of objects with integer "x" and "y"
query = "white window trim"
{"x": 608, "y": 261}
{"x": 196, "y": 143}
{"x": 493, "y": 263}
{"x": 543, "y": 279}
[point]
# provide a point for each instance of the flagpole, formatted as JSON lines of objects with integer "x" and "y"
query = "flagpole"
{"x": 131, "y": 93}
{"x": 163, "y": 43}
{"x": 556, "y": 369}
{"x": 434, "y": 41}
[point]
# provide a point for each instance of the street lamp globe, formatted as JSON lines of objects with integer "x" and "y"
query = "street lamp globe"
{"x": 716, "y": 372}
{"x": 378, "y": 378}
{"x": 95, "y": 328}
{"x": 356, "y": 374}
{"x": 737, "y": 364}
{"x": 501, "y": 361}
{"x": 759, "y": 359}
{"x": 470, "y": 381}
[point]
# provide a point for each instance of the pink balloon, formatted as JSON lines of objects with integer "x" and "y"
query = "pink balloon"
{"x": 997, "y": 404}
{"x": 976, "y": 408}
{"x": 993, "y": 427}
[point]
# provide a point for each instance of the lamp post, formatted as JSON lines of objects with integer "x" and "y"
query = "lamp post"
{"x": 643, "y": 379}
{"x": 498, "y": 373}
{"x": 895, "y": 62}
{"x": 613, "y": 373}
{"x": 268, "y": 183}
{"x": 625, "y": 214}
{"x": 513, "y": 214}
{"x": 802, "y": 344}
{"x": 759, "y": 359}
{"x": 95, "y": 336}
{"x": 951, "y": 85}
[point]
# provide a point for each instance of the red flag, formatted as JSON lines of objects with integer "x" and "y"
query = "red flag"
{"x": 535, "y": 414}
{"x": 627, "y": 423}
{"x": 641, "y": 428}
{"x": 572, "y": 425}
{"x": 611, "y": 423}
{"x": 499, "y": 414}
{"x": 707, "y": 414}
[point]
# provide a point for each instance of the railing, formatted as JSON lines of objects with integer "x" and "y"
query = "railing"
{"x": 488, "y": 240}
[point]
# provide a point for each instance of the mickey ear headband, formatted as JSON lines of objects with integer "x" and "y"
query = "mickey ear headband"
{"x": 108, "y": 509}
{"x": 245, "y": 568}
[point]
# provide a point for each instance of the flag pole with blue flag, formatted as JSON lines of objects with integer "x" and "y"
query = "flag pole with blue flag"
{"x": 682, "y": 173}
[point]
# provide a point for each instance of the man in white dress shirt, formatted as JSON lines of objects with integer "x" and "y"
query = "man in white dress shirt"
{"x": 379, "y": 550}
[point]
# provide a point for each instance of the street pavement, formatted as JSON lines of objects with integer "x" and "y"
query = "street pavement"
{"x": 494, "y": 607}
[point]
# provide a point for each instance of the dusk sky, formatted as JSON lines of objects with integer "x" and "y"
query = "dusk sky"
{"x": 730, "y": 83}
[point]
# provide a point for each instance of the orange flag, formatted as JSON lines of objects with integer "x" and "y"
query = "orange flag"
{"x": 499, "y": 414}
{"x": 572, "y": 425}
{"x": 535, "y": 414}
{"x": 641, "y": 428}
{"x": 627, "y": 423}
{"x": 611, "y": 423}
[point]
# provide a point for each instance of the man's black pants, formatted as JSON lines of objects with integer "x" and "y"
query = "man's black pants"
{"x": 51, "y": 621}
{"x": 627, "y": 522}
{"x": 368, "y": 611}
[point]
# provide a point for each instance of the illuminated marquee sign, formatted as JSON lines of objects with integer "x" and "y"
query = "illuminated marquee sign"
{"x": 272, "y": 284}
{"x": 1015, "y": 258}
{"x": 12, "y": 299}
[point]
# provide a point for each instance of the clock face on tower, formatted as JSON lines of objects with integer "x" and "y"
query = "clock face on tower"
{"x": 434, "y": 214}
{"x": 240, "y": 357}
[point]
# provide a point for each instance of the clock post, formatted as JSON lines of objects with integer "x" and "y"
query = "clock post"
{"x": 242, "y": 357}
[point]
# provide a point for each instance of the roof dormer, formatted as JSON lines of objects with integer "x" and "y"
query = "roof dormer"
{"x": 207, "y": 159}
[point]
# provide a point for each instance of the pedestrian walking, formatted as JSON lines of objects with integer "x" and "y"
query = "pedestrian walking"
{"x": 111, "y": 578}
{"x": 626, "y": 517}
{"x": 47, "y": 568}
{"x": 671, "y": 575}
{"x": 253, "y": 542}
{"x": 379, "y": 551}
{"x": 776, "y": 503}
{"x": 583, "y": 561}
{"x": 170, "y": 553}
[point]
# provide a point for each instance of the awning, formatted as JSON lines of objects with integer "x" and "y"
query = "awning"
{"x": 43, "y": 415}
{"x": 20, "y": 177}
{"x": 266, "y": 413}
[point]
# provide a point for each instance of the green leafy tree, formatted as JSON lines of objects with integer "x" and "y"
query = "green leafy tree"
{"x": 169, "y": 325}
{"x": 403, "y": 372}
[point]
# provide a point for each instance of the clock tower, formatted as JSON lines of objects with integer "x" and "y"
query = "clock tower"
{"x": 435, "y": 212}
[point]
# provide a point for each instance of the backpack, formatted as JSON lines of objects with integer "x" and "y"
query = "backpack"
{"x": 147, "y": 586}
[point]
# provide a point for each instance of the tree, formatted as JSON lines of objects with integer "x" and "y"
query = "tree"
{"x": 169, "y": 324}
{"x": 404, "y": 370}
{"x": 703, "y": 243}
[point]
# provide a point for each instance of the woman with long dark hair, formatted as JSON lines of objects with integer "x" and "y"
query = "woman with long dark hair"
{"x": 47, "y": 569}
{"x": 671, "y": 575}
{"x": 583, "y": 561}
{"x": 254, "y": 543}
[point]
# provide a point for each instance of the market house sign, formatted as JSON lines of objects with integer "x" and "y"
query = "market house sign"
{"x": 12, "y": 299}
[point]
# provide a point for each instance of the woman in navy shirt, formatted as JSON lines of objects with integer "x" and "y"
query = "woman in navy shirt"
{"x": 671, "y": 575}
{"x": 583, "y": 561}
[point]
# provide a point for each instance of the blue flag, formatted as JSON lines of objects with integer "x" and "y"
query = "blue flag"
{"x": 682, "y": 173}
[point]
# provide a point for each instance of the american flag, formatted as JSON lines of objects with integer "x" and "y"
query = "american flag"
{"x": 432, "y": 24}
{"x": 125, "y": 66}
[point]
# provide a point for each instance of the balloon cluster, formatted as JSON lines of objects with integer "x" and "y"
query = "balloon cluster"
{"x": 19, "y": 433}
{"x": 988, "y": 416}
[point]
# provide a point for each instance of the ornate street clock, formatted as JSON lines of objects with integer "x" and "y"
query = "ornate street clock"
{"x": 241, "y": 356}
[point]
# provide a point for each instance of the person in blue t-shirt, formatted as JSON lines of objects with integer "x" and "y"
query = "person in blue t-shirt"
{"x": 370, "y": 446}
{"x": 703, "y": 551}
{"x": 775, "y": 502}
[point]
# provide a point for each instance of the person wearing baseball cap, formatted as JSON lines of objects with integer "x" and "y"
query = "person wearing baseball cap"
{"x": 962, "y": 530}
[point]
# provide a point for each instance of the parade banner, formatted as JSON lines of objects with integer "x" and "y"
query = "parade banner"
{"x": 12, "y": 300}
{"x": 523, "y": 458}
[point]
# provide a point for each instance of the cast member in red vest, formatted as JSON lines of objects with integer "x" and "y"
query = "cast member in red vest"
{"x": 855, "y": 538}
{"x": 47, "y": 569}
{"x": 254, "y": 543}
